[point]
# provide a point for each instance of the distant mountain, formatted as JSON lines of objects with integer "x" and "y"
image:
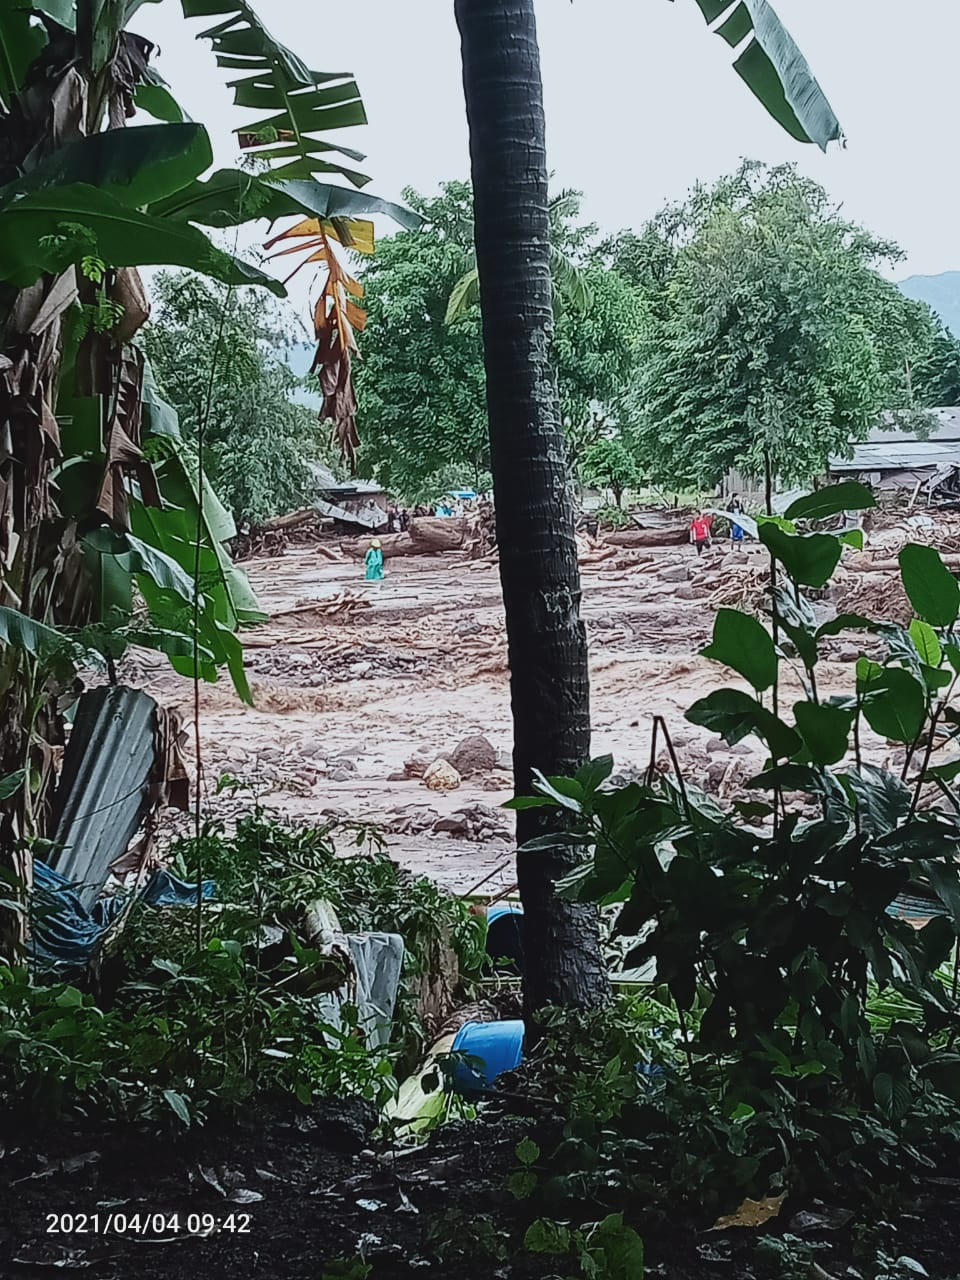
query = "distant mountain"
{"x": 941, "y": 292}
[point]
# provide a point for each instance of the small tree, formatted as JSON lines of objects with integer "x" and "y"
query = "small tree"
{"x": 609, "y": 464}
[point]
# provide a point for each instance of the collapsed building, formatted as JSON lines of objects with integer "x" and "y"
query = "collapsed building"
{"x": 912, "y": 452}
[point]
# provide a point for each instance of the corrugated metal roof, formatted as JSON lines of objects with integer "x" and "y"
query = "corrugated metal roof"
{"x": 103, "y": 786}
{"x": 912, "y": 455}
{"x": 945, "y": 426}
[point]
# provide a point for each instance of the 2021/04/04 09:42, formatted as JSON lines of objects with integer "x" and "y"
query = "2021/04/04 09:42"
{"x": 152, "y": 1224}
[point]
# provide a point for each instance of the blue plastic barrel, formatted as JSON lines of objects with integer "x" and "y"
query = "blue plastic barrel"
{"x": 505, "y": 937}
{"x": 499, "y": 1045}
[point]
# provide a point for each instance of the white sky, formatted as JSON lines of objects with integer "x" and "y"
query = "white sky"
{"x": 641, "y": 101}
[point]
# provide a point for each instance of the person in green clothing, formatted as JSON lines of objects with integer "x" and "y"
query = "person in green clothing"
{"x": 374, "y": 562}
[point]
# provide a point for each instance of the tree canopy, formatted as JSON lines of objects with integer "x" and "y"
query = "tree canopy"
{"x": 258, "y": 438}
{"x": 770, "y": 332}
{"x": 420, "y": 384}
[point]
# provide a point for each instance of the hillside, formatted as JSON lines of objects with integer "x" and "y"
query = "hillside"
{"x": 941, "y": 292}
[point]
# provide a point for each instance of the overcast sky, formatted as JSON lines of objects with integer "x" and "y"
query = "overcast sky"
{"x": 641, "y": 101}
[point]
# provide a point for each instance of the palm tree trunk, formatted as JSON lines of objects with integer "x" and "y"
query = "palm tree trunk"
{"x": 535, "y": 524}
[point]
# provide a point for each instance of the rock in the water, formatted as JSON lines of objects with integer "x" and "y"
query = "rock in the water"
{"x": 341, "y": 775}
{"x": 675, "y": 573}
{"x": 441, "y": 776}
{"x": 474, "y": 755}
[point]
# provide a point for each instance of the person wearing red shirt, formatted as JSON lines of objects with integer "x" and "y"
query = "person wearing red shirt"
{"x": 700, "y": 531}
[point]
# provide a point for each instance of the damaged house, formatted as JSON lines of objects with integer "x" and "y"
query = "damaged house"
{"x": 917, "y": 454}
{"x": 353, "y": 505}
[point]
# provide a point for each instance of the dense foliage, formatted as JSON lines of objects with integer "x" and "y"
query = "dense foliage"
{"x": 807, "y": 1019}
{"x": 610, "y": 464}
{"x": 421, "y": 386}
{"x": 198, "y": 1014}
{"x": 218, "y": 358}
{"x": 771, "y": 334}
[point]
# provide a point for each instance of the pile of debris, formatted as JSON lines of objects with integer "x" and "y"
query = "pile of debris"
{"x": 477, "y": 823}
{"x": 272, "y": 537}
{"x": 474, "y": 757}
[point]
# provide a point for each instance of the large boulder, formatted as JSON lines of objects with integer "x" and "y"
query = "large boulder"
{"x": 473, "y": 755}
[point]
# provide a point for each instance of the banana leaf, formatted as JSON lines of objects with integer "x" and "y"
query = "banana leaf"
{"x": 774, "y": 68}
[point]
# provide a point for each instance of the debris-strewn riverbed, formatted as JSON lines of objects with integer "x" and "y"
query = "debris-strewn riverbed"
{"x": 358, "y": 687}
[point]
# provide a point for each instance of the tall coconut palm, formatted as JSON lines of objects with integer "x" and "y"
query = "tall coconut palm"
{"x": 535, "y": 520}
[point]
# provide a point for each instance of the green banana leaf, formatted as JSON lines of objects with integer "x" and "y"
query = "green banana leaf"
{"x": 230, "y": 196}
{"x": 20, "y": 43}
{"x": 303, "y": 103}
{"x": 47, "y": 230}
{"x": 47, "y": 644}
{"x": 137, "y": 165}
{"x": 139, "y": 558}
{"x": 774, "y": 68}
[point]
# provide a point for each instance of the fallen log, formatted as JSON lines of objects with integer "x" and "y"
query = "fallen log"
{"x": 675, "y": 537}
{"x": 391, "y": 544}
{"x": 427, "y": 536}
{"x": 431, "y": 534}
{"x": 862, "y": 564}
{"x": 306, "y": 515}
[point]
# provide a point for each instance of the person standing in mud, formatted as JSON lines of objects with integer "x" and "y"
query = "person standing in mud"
{"x": 374, "y": 562}
{"x": 700, "y": 532}
{"x": 735, "y": 508}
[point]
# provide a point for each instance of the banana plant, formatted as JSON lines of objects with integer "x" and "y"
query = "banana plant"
{"x": 109, "y": 532}
{"x": 569, "y": 282}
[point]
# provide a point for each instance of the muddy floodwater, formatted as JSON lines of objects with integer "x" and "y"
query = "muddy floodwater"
{"x": 351, "y": 680}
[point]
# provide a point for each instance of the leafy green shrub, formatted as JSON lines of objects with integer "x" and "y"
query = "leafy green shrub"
{"x": 772, "y": 924}
{"x": 200, "y": 1017}
{"x": 612, "y": 517}
{"x": 206, "y": 1034}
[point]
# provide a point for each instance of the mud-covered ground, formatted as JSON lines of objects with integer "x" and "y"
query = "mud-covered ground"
{"x": 352, "y": 679}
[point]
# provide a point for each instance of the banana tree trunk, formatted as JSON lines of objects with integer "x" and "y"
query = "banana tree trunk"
{"x": 535, "y": 523}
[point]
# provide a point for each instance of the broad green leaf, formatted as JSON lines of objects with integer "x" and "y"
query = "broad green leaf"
{"x": 527, "y": 1152}
{"x": 733, "y": 714}
{"x": 136, "y": 165}
{"x": 775, "y": 69}
{"x": 21, "y": 41}
{"x": 47, "y": 230}
{"x": 895, "y": 703}
{"x": 743, "y": 644}
{"x": 615, "y": 1250}
{"x": 946, "y": 885}
{"x": 464, "y": 296}
{"x": 62, "y": 11}
{"x": 825, "y": 730}
{"x": 796, "y": 619}
{"x": 40, "y": 641}
{"x": 519, "y": 803}
{"x": 304, "y": 103}
{"x": 809, "y": 559}
{"x": 11, "y": 784}
{"x": 230, "y": 196}
{"x": 926, "y": 643}
{"x": 177, "y": 1105}
{"x": 831, "y": 501}
{"x": 881, "y": 799}
{"x": 567, "y": 792}
{"x": 154, "y": 97}
{"x": 853, "y": 538}
{"x": 930, "y": 586}
{"x": 594, "y": 773}
{"x": 139, "y": 557}
{"x": 175, "y": 644}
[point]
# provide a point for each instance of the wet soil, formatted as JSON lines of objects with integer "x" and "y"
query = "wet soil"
{"x": 286, "y": 1193}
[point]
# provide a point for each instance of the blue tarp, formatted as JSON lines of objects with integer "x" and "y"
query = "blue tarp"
{"x": 64, "y": 934}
